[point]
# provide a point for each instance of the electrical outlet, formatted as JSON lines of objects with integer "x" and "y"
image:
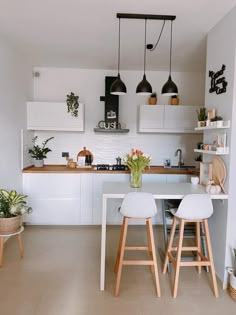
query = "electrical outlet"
{"x": 65, "y": 154}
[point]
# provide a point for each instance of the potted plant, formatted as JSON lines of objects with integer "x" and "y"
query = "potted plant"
{"x": 39, "y": 153}
{"x": 174, "y": 100}
{"x": 72, "y": 104}
{"x": 12, "y": 206}
{"x": 152, "y": 100}
{"x": 202, "y": 116}
{"x": 219, "y": 121}
{"x": 198, "y": 159}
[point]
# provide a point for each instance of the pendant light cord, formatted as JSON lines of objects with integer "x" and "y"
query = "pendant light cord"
{"x": 159, "y": 36}
{"x": 119, "y": 50}
{"x": 170, "y": 46}
{"x": 145, "y": 48}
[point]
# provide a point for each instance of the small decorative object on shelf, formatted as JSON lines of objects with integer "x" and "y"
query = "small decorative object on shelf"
{"x": 218, "y": 85}
{"x": 202, "y": 116}
{"x": 136, "y": 161}
{"x": 12, "y": 206}
{"x": 152, "y": 100}
{"x": 72, "y": 104}
{"x": 174, "y": 100}
{"x": 39, "y": 153}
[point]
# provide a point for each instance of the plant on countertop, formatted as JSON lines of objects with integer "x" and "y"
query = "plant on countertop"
{"x": 198, "y": 158}
{"x": 39, "y": 152}
{"x": 12, "y": 204}
{"x": 72, "y": 104}
{"x": 202, "y": 115}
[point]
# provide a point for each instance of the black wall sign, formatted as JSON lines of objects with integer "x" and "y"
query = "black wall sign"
{"x": 218, "y": 82}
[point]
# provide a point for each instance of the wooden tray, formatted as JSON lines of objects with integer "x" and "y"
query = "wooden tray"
{"x": 85, "y": 152}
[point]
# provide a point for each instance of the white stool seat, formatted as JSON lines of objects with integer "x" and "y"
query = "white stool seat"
{"x": 138, "y": 205}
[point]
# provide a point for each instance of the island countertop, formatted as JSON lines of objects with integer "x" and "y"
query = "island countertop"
{"x": 154, "y": 169}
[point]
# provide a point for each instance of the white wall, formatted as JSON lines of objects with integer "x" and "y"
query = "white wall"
{"x": 54, "y": 83}
{"x": 15, "y": 87}
{"x": 221, "y": 47}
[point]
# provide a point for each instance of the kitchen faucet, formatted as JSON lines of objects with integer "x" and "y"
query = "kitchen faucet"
{"x": 180, "y": 162}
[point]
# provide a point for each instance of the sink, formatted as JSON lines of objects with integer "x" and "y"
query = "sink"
{"x": 183, "y": 168}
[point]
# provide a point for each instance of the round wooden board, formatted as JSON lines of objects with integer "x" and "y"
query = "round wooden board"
{"x": 85, "y": 152}
{"x": 218, "y": 170}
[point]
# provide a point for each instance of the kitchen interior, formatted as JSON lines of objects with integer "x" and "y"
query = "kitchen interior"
{"x": 59, "y": 188}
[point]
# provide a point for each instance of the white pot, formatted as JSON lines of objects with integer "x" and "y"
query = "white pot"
{"x": 38, "y": 163}
{"x": 219, "y": 123}
{"x": 232, "y": 278}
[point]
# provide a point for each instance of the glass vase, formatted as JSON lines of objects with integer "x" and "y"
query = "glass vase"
{"x": 136, "y": 179}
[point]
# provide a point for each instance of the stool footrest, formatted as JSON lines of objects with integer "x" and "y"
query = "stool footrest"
{"x": 137, "y": 262}
{"x": 136, "y": 248}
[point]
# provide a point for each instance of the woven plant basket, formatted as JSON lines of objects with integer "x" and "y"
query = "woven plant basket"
{"x": 232, "y": 283}
{"x": 10, "y": 225}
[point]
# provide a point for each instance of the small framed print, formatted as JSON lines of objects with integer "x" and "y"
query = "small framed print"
{"x": 205, "y": 173}
{"x": 211, "y": 114}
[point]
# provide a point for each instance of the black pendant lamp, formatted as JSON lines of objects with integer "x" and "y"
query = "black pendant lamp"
{"x": 144, "y": 87}
{"x": 118, "y": 87}
{"x": 170, "y": 88}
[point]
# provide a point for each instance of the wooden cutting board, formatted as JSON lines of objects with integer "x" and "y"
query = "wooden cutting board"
{"x": 85, "y": 152}
{"x": 218, "y": 171}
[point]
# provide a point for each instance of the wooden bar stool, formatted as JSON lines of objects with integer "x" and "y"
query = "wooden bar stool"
{"x": 193, "y": 208}
{"x": 137, "y": 206}
{"x": 2, "y": 236}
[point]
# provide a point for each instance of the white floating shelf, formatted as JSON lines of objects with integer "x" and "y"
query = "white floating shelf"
{"x": 226, "y": 125}
{"x": 226, "y": 151}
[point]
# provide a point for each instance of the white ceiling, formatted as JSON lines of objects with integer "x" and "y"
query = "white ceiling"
{"x": 84, "y": 33}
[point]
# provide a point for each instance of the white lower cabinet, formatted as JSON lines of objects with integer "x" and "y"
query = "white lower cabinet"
{"x": 76, "y": 199}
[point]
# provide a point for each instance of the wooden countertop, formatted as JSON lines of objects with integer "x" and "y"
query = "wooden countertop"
{"x": 154, "y": 169}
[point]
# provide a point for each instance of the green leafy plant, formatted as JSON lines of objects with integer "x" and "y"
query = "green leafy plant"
{"x": 72, "y": 104}
{"x": 174, "y": 96}
{"x": 202, "y": 115}
{"x": 12, "y": 204}
{"x": 153, "y": 95}
{"x": 218, "y": 118}
{"x": 136, "y": 160}
{"x": 39, "y": 152}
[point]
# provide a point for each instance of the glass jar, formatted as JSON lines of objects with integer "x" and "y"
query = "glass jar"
{"x": 136, "y": 179}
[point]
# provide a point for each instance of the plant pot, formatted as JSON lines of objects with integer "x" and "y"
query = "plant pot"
{"x": 174, "y": 101}
{"x": 201, "y": 123}
{"x": 38, "y": 163}
{"x": 10, "y": 225}
{"x": 152, "y": 100}
{"x": 219, "y": 123}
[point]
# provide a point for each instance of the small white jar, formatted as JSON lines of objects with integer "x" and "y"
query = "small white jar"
{"x": 194, "y": 180}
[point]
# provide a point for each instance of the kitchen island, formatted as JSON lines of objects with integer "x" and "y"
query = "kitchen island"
{"x": 64, "y": 196}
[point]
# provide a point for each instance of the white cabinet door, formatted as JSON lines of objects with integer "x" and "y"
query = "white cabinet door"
{"x": 53, "y": 116}
{"x": 180, "y": 117}
{"x": 87, "y": 191}
{"x": 55, "y": 198}
{"x": 151, "y": 118}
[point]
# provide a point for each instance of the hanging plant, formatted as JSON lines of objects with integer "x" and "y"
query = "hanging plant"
{"x": 72, "y": 104}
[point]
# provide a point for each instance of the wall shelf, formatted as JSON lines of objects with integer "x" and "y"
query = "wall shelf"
{"x": 213, "y": 152}
{"x": 225, "y": 126}
{"x": 111, "y": 130}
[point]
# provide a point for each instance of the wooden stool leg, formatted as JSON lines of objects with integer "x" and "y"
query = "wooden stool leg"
{"x": 20, "y": 245}
{"x": 170, "y": 243}
{"x": 149, "y": 245}
{"x": 121, "y": 257}
{"x": 210, "y": 256}
{"x": 154, "y": 258}
{"x": 178, "y": 258}
{"x": 198, "y": 242}
{"x": 119, "y": 248}
{"x": 1, "y": 250}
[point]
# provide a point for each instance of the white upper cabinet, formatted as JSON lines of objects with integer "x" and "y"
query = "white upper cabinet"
{"x": 167, "y": 118}
{"x": 53, "y": 116}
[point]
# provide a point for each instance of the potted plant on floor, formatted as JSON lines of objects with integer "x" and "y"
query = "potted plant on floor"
{"x": 152, "y": 100}
{"x": 39, "y": 153}
{"x": 12, "y": 206}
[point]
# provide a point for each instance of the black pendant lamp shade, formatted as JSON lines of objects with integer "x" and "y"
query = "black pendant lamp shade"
{"x": 118, "y": 87}
{"x": 144, "y": 87}
{"x": 170, "y": 88}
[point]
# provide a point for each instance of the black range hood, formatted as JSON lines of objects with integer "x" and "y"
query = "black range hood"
{"x": 110, "y": 124}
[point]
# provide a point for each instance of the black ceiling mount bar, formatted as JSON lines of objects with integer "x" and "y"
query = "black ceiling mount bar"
{"x": 145, "y": 16}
